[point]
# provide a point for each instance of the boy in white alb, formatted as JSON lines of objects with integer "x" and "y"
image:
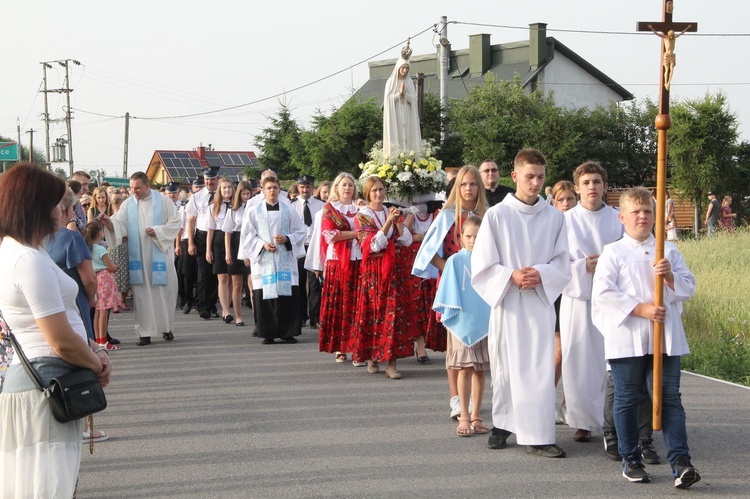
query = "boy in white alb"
{"x": 520, "y": 265}
{"x": 591, "y": 224}
{"x": 623, "y": 309}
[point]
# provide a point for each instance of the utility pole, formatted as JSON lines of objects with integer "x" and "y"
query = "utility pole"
{"x": 125, "y": 155}
{"x": 68, "y": 114}
{"x": 31, "y": 145}
{"x": 444, "y": 48}
{"x": 46, "y": 65}
{"x": 18, "y": 132}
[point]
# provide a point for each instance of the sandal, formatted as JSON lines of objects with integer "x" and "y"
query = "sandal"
{"x": 479, "y": 427}
{"x": 340, "y": 357}
{"x": 463, "y": 431}
{"x": 372, "y": 367}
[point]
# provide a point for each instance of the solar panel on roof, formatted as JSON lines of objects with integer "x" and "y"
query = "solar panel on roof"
{"x": 214, "y": 161}
{"x": 237, "y": 160}
{"x": 166, "y": 155}
{"x": 181, "y": 155}
{"x": 195, "y": 163}
{"x": 227, "y": 159}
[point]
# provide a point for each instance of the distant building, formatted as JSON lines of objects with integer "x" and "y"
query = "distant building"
{"x": 184, "y": 166}
{"x": 541, "y": 62}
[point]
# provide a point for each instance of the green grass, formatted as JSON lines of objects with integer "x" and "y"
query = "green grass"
{"x": 717, "y": 317}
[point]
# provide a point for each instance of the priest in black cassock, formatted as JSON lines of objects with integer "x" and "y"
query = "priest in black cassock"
{"x": 272, "y": 239}
{"x": 493, "y": 191}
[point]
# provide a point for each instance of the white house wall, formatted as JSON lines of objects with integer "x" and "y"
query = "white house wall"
{"x": 574, "y": 87}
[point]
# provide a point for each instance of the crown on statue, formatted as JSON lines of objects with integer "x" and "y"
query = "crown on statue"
{"x": 406, "y": 51}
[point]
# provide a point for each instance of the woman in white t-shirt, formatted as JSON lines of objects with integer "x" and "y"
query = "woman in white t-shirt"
{"x": 40, "y": 457}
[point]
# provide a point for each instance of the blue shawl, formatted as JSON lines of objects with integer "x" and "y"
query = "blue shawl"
{"x": 158, "y": 257}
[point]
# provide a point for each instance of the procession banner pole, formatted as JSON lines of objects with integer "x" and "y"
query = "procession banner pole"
{"x": 665, "y": 30}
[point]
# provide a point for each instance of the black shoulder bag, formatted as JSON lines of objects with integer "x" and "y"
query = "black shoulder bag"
{"x": 71, "y": 396}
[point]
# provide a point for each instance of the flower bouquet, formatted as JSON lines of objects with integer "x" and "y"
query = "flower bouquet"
{"x": 410, "y": 177}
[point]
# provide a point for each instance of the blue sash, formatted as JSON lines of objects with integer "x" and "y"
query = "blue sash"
{"x": 158, "y": 257}
{"x": 276, "y": 266}
{"x": 433, "y": 244}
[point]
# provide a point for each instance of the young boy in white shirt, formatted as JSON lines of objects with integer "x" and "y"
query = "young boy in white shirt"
{"x": 623, "y": 310}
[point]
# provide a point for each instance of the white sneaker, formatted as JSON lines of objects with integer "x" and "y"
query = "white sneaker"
{"x": 455, "y": 407}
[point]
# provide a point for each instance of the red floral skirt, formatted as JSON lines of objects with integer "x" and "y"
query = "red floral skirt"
{"x": 414, "y": 295}
{"x": 376, "y": 334}
{"x": 107, "y": 294}
{"x": 338, "y": 304}
{"x": 436, "y": 336}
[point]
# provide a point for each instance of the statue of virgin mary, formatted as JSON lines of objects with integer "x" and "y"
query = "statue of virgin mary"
{"x": 400, "y": 114}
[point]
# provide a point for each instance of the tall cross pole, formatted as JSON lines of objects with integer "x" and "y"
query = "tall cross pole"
{"x": 668, "y": 31}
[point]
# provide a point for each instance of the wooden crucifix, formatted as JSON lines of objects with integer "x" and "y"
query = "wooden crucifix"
{"x": 665, "y": 30}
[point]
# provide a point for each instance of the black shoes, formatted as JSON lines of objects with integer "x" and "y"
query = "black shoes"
{"x": 228, "y": 319}
{"x": 255, "y": 332}
{"x": 545, "y": 450}
{"x": 143, "y": 341}
{"x": 186, "y": 309}
{"x": 168, "y": 336}
{"x": 610, "y": 446}
{"x": 634, "y": 471}
{"x": 582, "y": 436}
{"x": 267, "y": 341}
{"x": 290, "y": 340}
{"x": 205, "y": 315}
{"x": 648, "y": 453}
{"x": 239, "y": 324}
{"x": 498, "y": 439}
{"x": 112, "y": 341}
{"x": 684, "y": 473}
{"x": 421, "y": 359}
{"x": 215, "y": 314}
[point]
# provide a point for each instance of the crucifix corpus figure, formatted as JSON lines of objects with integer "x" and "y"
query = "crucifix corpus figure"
{"x": 669, "y": 58}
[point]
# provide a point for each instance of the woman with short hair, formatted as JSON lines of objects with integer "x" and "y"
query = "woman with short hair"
{"x": 40, "y": 455}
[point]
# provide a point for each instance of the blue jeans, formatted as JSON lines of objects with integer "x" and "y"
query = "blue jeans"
{"x": 712, "y": 228}
{"x": 629, "y": 375}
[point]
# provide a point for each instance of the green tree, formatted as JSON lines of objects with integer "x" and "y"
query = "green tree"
{"x": 451, "y": 151}
{"x": 703, "y": 145}
{"x": 340, "y": 142}
{"x": 280, "y": 145}
{"x": 623, "y": 138}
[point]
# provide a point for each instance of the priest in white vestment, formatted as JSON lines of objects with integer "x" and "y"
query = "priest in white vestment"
{"x": 591, "y": 225}
{"x": 520, "y": 265}
{"x": 152, "y": 219}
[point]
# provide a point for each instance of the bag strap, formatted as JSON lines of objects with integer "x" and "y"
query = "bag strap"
{"x": 24, "y": 360}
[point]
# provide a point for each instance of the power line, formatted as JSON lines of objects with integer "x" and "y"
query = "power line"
{"x": 280, "y": 94}
{"x": 591, "y": 32}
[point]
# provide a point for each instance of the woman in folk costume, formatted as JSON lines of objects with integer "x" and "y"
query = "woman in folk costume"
{"x": 215, "y": 244}
{"x": 418, "y": 294}
{"x": 232, "y": 229}
{"x": 341, "y": 254}
{"x": 442, "y": 240}
{"x": 400, "y": 114}
{"x": 467, "y": 318}
{"x": 376, "y": 337}
{"x": 271, "y": 241}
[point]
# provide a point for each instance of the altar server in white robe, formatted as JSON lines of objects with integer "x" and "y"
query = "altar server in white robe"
{"x": 271, "y": 240}
{"x": 520, "y": 265}
{"x": 591, "y": 225}
{"x": 151, "y": 222}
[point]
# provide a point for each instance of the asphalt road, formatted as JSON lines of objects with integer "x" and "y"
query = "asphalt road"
{"x": 216, "y": 414}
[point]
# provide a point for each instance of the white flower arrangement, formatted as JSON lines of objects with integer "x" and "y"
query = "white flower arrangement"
{"x": 408, "y": 176}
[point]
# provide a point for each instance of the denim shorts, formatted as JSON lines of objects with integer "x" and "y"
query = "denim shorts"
{"x": 17, "y": 380}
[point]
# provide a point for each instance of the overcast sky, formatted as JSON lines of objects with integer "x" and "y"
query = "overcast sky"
{"x": 161, "y": 58}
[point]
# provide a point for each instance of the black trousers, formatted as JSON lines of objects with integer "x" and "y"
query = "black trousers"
{"x": 207, "y": 284}
{"x": 187, "y": 272}
{"x": 303, "y": 316}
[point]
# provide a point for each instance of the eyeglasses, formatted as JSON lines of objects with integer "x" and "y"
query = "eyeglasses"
{"x": 490, "y": 170}
{"x": 85, "y": 205}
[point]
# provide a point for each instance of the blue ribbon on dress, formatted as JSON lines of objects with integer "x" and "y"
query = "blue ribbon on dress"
{"x": 158, "y": 257}
{"x": 276, "y": 266}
